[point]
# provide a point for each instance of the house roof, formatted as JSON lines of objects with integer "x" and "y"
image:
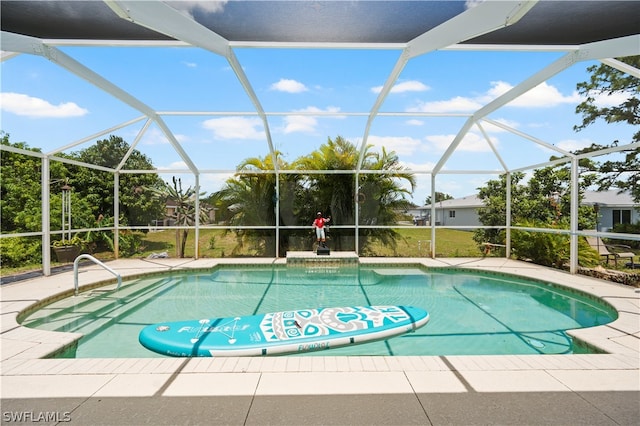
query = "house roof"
{"x": 470, "y": 201}
{"x": 603, "y": 198}
{"x": 608, "y": 198}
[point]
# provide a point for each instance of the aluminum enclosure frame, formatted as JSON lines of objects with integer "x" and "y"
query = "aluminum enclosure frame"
{"x": 158, "y": 23}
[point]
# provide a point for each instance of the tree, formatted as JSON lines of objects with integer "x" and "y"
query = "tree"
{"x": 332, "y": 193}
{"x": 624, "y": 173}
{"x": 494, "y": 212}
{"x": 248, "y": 199}
{"x": 21, "y": 203}
{"x": 251, "y": 198}
{"x": 383, "y": 197}
{"x": 439, "y": 196}
{"x": 136, "y": 206}
{"x": 378, "y": 197}
{"x": 185, "y": 209}
{"x": 543, "y": 202}
{"x": 20, "y": 189}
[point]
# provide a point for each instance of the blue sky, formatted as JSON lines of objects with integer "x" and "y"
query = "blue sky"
{"x": 48, "y": 107}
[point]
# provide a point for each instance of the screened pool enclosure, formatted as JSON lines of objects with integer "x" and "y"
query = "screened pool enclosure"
{"x": 248, "y": 62}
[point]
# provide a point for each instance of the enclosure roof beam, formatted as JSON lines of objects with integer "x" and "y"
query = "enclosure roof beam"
{"x": 133, "y": 145}
{"x": 624, "y": 46}
{"x": 475, "y": 21}
{"x": 97, "y": 135}
{"x": 621, "y": 66}
{"x": 482, "y": 18}
{"x": 162, "y": 18}
{"x": 492, "y": 146}
{"x": 529, "y": 137}
{"x": 25, "y": 44}
{"x": 614, "y": 48}
{"x": 528, "y": 84}
{"x": 31, "y": 45}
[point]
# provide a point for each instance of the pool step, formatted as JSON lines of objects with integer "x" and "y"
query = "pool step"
{"x": 308, "y": 258}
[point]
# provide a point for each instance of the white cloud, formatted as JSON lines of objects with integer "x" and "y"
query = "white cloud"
{"x": 402, "y": 145}
{"x": 428, "y": 166}
{"x": 440, "y": 142}
{"x": 190, "y": 64}
{"x": 472, "y": 142}
{"x": 154, "y": 136}
{"x": 414, "y": 122}
{"x": 574, "y": 144}
{"x": 29, "y": 106}
{"x": 602, "y": 100}
{"x": 303, "y": 123}
{"x": 329, "y": 109}
{"x": 300, "y": 123}
{"x": 176, "y": 165}
{"x": 542, "y": 96}
{"x": 405, "y": 86}
{"x": 457, "y": 104}
{"x": 235, "y": 127}
{"x": 491, "y": 128}
{"x": 289, "y": 86}
{"x": 497, "y": 88}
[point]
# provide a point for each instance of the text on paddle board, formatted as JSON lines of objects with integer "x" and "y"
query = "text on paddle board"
{"x": 216, "y": 329}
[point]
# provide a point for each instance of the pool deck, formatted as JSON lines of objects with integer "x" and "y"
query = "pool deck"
{"x": 594, "y": 389}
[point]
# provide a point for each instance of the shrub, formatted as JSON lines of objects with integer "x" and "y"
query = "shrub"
{"x": 20, "y": 251}
{"x": 550, "y": 249}
{"x": 75, "y": 241}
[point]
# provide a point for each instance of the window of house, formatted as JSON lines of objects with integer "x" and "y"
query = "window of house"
{"x": 621, "y": 216}
{"x": 452, "y": 213}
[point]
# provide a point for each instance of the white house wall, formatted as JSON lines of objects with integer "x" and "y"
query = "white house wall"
{"x": 466, "y": 210}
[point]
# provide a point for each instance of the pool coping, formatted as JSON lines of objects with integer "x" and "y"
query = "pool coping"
{"x": 24, "y": 371}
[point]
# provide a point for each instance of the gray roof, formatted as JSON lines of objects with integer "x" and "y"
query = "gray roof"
{"x": 548, "y": 22}
{"x": 608, "y": 198}
{"x": 604, "y": 198}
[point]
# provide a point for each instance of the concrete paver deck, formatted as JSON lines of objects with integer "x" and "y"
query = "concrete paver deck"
{"x": 515, "y": 389}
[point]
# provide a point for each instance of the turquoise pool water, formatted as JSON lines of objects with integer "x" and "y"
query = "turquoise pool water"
{"x": 471, "y": 313}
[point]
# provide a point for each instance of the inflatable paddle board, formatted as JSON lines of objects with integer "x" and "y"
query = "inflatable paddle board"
{"x": 281, "y": 332}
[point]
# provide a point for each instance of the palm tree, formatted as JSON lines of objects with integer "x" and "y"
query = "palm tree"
{"x": 379, "y": 195}
{"x": 249, "y": 200}
{"x": 382, "y": 196}
{"x": 185, "y": 209}
{"x": 332, "y": 194}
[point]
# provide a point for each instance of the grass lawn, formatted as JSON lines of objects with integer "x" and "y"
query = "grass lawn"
{"x": 412, "y": 242}
{"x": 214, "y": 243}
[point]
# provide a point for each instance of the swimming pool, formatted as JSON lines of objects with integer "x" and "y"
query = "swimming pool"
{"x": 471, "y": 313}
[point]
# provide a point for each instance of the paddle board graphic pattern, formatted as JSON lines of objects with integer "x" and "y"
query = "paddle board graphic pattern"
{"x": 282, "y": 332}
{"x": 323, "y": 322}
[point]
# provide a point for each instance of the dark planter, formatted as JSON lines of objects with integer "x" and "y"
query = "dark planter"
{"x": 67, "y": 254}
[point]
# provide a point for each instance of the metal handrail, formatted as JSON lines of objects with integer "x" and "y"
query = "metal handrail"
{"x": 97, "y": 262}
